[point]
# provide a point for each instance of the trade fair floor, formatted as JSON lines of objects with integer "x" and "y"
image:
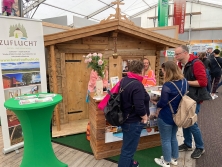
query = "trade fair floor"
{"x": 209, "y": 120}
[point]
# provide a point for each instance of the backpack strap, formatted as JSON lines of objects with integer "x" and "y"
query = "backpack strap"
{"x": 122, "y": 89}
{"x": 171, "y": 108}
{"x": 217, "y": 62}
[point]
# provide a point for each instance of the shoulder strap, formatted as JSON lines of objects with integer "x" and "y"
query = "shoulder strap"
{"x": 217, "y": 62}
{"x": 171, "y": 108}
{"x": 122, "y": 89}
{"x": 191, "y": 63}
{"x": 177, "y": 88}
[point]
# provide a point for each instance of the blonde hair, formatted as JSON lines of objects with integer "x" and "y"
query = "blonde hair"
{"x": 172, "y": 71}
{"x": 149, "y": 68}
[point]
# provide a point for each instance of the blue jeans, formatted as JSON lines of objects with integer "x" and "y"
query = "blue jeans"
{"x": 208, "y": 81}
{"x": 131, "y": 136}
{"x": 195, "y": 131}
{"x": 168, "y": 140}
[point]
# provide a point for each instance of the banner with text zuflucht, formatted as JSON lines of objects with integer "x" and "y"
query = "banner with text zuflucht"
{"x": 163, "y": 13}
{"x": 22, "y": 67}
{"x": 179, "y": 14}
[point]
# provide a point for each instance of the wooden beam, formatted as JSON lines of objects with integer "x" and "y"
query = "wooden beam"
{"x": 157, "y": 69}
{"x": 93, "y": 28}
{"x": 77, "y": 36}
{"x": 167, "y": 41}
{"x": 46, "y": 24}
{"x": 187, "y": 14}
{"x": 64, "y": 91}
{"x": 54, "y": 85}
{"x": 166, "y": 57}
{"x": 149, "y": 35}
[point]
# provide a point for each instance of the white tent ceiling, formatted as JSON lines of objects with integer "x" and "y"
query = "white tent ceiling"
{"x": 91, "y": 9}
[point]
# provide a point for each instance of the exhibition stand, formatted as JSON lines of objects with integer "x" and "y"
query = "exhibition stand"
{"x": 106, "y": 141}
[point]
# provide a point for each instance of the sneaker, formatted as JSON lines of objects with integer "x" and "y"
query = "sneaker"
{"x": 135, "y": 164}
{"x": 173, "y": 161}
{"x": 184, "y": 147}
{"x": 197, "y": 153}
{"x": 215, "y": 96}
{"x": 161, "y": 162}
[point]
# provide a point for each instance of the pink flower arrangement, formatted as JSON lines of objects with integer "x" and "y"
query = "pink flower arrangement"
{"x": 96, "y": 62}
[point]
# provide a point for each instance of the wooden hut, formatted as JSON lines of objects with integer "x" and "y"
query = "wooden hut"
{"x": 68, "y": 74}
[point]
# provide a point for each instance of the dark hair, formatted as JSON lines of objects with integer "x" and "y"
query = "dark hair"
{"x": 202, "y": 55}
{"x": 185, "y": 48}
{"x": 216, "y": 51}
{"x": 136, "y": 66}
{"x": 126, "y": 66}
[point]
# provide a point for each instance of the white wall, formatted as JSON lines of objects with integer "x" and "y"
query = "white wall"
{"x": 209, "y": 17}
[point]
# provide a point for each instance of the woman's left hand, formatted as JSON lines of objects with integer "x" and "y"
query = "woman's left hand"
{"x": 154, "y": 102}
{"x": 157, "y": 112}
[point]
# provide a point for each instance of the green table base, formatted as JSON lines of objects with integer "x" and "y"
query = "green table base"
{"x": 35, "y": 120}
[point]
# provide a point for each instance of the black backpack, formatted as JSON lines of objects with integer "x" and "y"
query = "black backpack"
{"x": 113, "y": 112}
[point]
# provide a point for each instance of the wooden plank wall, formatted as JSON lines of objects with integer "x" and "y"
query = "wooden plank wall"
{"x": 127, "y": 47}
{"x": 59, "y": 84}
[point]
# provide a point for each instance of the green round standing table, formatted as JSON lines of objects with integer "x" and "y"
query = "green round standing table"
{"x": 35, "y": 120}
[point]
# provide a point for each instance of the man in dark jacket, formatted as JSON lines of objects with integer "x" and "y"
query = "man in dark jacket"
{"x": 209, "y": 52}
{"x": 199, "y": 73}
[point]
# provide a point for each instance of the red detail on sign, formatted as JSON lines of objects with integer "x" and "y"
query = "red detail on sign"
{"x": 179, "y": 14}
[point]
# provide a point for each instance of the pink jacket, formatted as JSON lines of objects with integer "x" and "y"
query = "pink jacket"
{"x": 115, "y": 89}
{"x": 105, "y": 100}
{"x": 92, "y": 81}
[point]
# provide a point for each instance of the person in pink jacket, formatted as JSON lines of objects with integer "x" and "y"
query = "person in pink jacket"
{"x": 92, "y": 81}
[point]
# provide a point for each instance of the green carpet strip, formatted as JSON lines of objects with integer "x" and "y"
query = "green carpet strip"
{"x": 79, "y": 142}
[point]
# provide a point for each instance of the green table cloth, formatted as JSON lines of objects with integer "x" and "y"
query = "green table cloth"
{"x": 35, "y": 120}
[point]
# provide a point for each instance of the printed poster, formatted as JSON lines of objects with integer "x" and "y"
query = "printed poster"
{"x": 114, "y": 133}
{"x": 22, "y": 69}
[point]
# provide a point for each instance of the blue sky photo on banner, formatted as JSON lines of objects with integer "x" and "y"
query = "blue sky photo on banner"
{"x": 163, "y": 13}
{"x": 22, "y": 69}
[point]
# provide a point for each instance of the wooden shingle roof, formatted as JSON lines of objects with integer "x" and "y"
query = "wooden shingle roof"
{"x": 113, "y": 25}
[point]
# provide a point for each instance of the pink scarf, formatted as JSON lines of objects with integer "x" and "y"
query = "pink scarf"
{"x": 115, "y": 89}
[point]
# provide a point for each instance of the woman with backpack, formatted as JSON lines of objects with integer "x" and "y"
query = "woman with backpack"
{"x": 166, "y": 125}
{"x": 134, "y": 102}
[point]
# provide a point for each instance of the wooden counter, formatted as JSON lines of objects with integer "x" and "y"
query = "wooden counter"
{"x": 97, "y": 135}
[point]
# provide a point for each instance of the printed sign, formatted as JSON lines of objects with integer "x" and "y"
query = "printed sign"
{"x": 179, "y": 14}
{"x": 169, "y": 53}
{"x": 22, "y": 69}
{"x": 163, "y": 13}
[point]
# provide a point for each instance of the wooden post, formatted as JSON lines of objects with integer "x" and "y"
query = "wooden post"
{"x": 166, "y": 57}
{"x": 157, "y": 69}
{"x": 54, "y": 84}
{"x": 63, "y": 73}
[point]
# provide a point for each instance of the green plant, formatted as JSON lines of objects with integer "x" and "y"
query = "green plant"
{"x": 220, "y": 54}
{"x": 96, "y": 62}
